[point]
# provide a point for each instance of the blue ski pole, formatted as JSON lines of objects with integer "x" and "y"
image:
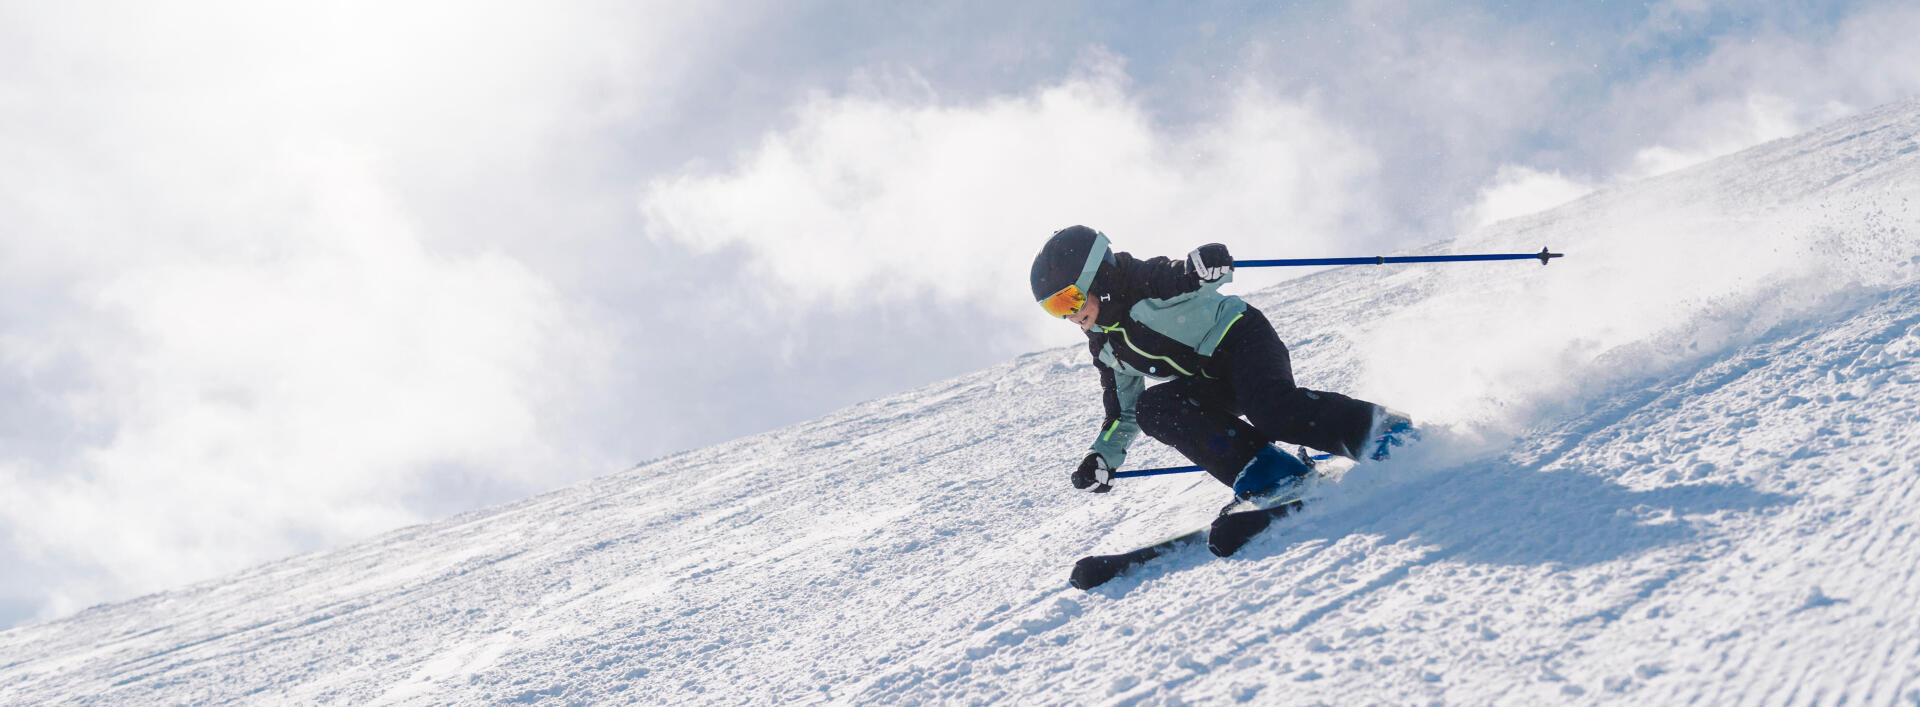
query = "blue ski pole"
{"x": 1186, "y": 469}
{"x": 1543, "y": 256}
{"x": 1156, "y": 472}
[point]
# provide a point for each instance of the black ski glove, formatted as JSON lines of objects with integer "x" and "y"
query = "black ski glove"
{"x": 1211, "y": 262}
{"x": 1093, "y": 472}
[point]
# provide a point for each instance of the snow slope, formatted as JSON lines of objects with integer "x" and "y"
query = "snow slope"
{"x": 1678, "y": 465}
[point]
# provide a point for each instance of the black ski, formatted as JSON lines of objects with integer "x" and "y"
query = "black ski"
{"x": 1232, "y": 530}
{"x": 1228, "y": 533}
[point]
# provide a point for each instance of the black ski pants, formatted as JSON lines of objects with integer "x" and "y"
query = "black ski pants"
{"x": 1250, "y": 375}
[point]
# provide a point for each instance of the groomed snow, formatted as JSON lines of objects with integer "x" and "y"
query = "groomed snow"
{"x": 1677, "y": 466}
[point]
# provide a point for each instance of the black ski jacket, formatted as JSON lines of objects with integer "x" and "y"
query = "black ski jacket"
{"x": 1157, "y": 320}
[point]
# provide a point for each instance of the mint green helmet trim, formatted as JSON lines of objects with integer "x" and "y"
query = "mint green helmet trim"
{"x": 1095, "y": 256}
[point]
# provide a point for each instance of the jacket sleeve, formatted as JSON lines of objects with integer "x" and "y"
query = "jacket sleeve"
{"x": 1119, "y": 392}
{"x": 1154, "y": 278}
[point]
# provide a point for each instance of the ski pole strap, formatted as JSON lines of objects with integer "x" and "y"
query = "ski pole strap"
{"x": 1184, "y": 469}
{"x": 1543, "y": 256}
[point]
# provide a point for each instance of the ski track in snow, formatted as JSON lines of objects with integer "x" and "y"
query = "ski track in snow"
{"x": 1696, "y": 490}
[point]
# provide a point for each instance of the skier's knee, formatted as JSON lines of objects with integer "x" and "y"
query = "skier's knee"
{"x": 1155, "y": 413}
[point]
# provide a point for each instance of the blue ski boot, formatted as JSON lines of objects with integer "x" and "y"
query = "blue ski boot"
{"x": 1272, "y": 475}
{"x": 1390, "y": 429}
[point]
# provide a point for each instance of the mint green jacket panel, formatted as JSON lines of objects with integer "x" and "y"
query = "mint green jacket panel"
{"x": 1196, "y": 320}
{"x": 1118, "y": 435}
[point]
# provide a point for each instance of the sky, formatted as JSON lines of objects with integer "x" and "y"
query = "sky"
{"x": 279, "y": 276}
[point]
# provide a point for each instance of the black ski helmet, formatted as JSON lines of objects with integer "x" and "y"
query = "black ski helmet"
{"x": 1075, "y": 255}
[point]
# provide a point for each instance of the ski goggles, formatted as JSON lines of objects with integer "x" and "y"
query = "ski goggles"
{"x": 1066, "y": 302}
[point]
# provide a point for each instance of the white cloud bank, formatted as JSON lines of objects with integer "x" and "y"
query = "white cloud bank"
{"x": 237, "y": 318}
{"x": 258, "y": 405}
{"x": 869, "y": 196}
{"x": 1518, "y": 191}
{"x": 1749, "y": 87}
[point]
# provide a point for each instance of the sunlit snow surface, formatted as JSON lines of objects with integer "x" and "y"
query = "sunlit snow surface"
{"x": 1678, "y": 465}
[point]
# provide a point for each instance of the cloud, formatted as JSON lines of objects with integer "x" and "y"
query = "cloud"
{"x": 1765, "y": 118}
{"x": 248, "y": 309}
{"x": 256, "y": 404}
{"x": 879, "y": 197}
{"x": 1518, "y": 191}
{"x": 1783, "y": 74}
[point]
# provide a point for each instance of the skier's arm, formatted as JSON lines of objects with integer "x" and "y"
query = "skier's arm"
{"x": 1161, "y": 278}
{"x": 1119, "y": 393}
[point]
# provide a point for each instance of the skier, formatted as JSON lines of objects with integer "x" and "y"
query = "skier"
{"x": 1165, "y": 319}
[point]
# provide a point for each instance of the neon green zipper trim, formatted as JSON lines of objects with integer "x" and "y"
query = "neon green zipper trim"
{"x": 1108, "y": 437}
{"x": 1136, "y": 349}
{"x": 1223, "y": 332}
{"x": 1223, "y": 337}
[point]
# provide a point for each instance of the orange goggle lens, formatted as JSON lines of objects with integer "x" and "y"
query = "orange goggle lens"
{"x": 1065, "y": 302}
